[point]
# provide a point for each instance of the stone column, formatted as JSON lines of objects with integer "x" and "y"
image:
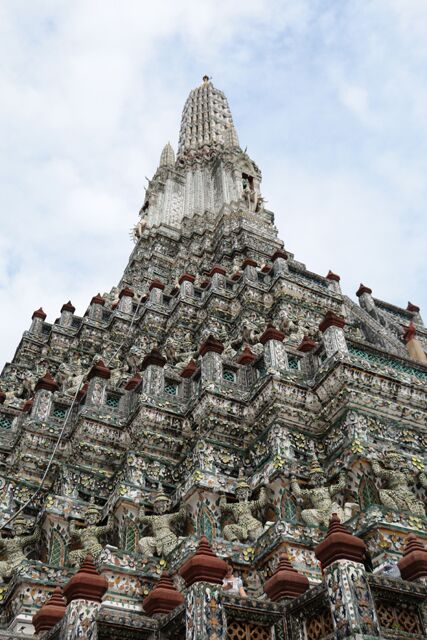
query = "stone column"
{"x": 126, "y": 296}
{"x": 98, "y": 378}
{"x": 274, "y": 350}
{"x": 211, "y": 368}
{"x": 38, "y": 319}
{"x": 42, "y": 402}
{"x": 83, "y": 593}
{"x": 352, "y": 605}
{"x": 280, "y": 262}
{"x": 332, "y": 327}
{"x": 203, "y": 574}
{"x": 333, "y": 282}
{"x": 186, "y": 285}
{"x": 67, "y": 312}
{"x": 414, "y": 346}
{"x": 153, "y": 381}
{"x": 217, "y": 275}
{"x": 366, "y": 300}
{"x": 249, "y": 270}
{"x": 415, "y": 310}
{"x": 156, "y": 291}
{"x": 95, "y": 308}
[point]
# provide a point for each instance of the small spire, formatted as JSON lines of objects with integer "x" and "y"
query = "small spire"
{"x": 205, "y": 79}
{"x": 203, "y": 566}
{"x": 167, "y": 157}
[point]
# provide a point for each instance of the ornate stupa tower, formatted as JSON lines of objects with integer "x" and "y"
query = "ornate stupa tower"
{"x": 223, "y": 446}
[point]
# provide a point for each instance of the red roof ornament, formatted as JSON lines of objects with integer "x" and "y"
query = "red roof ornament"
{"x": 87, "y": 583}
{"x": 39, "y": 313}
{"x": 307, "y": 344}
{"x": 409, "y": 332}
{"x": 153, "y": 358}
{"x": 156, "y": 284}
{"x": 82, "y": 392}
{"x": 99, "y": 370}
{"x": 286, "y": 582}
{"x": 133, "y": 382}
{"x": 211, "y": 344}
{"x": 68, "y": 307}
{"x": 27, "y": 406}
{"x": 164, "y": 597}
{"x": 186, "y": 277}
{"x": 2, "y": 396}
{"x": 51, "y": 612}
{"x": 279, "y": 254}
{"x": 236, "y": 275}
{"x": 333, "y": 276}
{"x": 98, "y": 299}
{"x": 362, "y": 289}
{"x": 247, "y": 356}
{"x": 266, "y": 268}
{"x": 271, "y": 333}
{"x": 331, "y": 319}
{"x": 339, "y": 544}
{"x": 126, "y": 292}
{"x": 249, "y": 262}
{"x": 217, "y": 268}
{"x": 413, "y": 564}
{"x": 412, "y": 308}
{"x": 189, "y": 370}
{"x": 203, "y": 566}
{"x": 47, "y": 382}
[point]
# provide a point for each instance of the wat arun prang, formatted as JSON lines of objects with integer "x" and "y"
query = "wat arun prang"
{"x": 222, "y": 403}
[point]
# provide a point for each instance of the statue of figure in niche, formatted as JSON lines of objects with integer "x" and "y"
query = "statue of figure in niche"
{"x": 396, "y": 494}
{"x": 164, "y": 539}
{"x": 13, "y": 548}
{"x": 247, "y": 527}
{"x": 321, "y": 497}
{"x": 89, "y": 535}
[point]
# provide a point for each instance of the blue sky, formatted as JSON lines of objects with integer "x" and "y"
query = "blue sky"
{"x": 329, "y": 97}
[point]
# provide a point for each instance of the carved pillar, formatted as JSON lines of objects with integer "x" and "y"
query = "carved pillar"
{"x": 153, "y": 381}
{"x": 333, "y": 282}
{"x": 38, "y": 319}
{"x": 126, "y": 296}
{"x": 95, "y": 309}
{"x": 249, "y": 270}
{"x": 84, "y": 594}
{"x": 186, "y": 285}
{"x": 42, "y": 403}
{"x": 414, "y": 346}
{"x": 217, "y": 275}
{"x": 352, "y": 605}
{"x": 67, "y": 312}
{"x": 332, "y": 327}
{"x": 280, "y": 262}
{"x": 156, "y": 291}
{"x": 308, "y": 363}
{"x": 98, "y": 378}
{"x": 211, "y": 369}
{"x": 366, "y": 300}
{"x": 274, "y": 351}
{"x": 203, "y": 574}
{"x": 415, "y": 310}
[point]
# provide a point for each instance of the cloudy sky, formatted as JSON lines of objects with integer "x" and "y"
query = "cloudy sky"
{"x": 328, "y": 95}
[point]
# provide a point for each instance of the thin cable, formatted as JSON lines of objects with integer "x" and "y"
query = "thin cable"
{"x": 61, "y": 433}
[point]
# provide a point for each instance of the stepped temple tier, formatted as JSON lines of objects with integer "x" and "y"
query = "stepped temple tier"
{"x": 225, "y": 445}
